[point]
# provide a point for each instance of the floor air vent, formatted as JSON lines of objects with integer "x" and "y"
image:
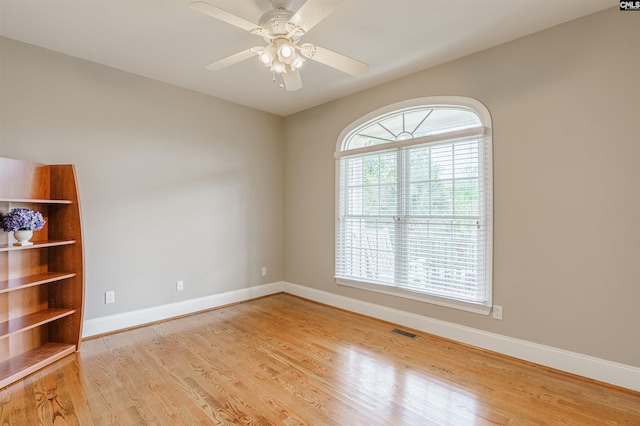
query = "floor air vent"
{"x": 404, "y": 333}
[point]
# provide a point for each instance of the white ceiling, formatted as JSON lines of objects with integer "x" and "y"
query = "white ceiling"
{"x": 167, "y": 41}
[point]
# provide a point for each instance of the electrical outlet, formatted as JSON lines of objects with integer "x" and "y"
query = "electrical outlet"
{"x": 109, "y": 297}
{"x": 264, "y": 271}
{"x": 179, "y": 285}
{"x": 497, "y": 312}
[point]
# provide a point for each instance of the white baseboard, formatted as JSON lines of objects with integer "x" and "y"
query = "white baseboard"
{"x": 582, "y": 365}
{"x": 111, "y": 323}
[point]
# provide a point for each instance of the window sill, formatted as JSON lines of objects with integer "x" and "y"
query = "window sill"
{"x": 476, "y": 308}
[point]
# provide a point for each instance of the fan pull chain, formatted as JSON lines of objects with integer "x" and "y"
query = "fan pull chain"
{"x": 273, "y": 79}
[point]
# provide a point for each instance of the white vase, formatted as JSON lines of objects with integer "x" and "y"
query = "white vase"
{"x": 23, "y": 238}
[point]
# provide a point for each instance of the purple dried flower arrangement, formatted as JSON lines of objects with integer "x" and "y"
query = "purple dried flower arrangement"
{"x": 20, "y": 219}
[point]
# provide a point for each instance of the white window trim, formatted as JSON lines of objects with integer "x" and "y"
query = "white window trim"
{"x": 445, "y": 101}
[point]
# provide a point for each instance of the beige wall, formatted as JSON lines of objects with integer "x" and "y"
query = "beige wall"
{"x": 175, "y": 185}
{"x": 564, "y": 104}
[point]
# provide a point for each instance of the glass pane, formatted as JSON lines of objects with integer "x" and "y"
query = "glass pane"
{"x": 371, "y": 170}
{"x": 466, "y": 155}
{"x": 467, "y": 197}
{"x": 378, "y": 132}
{"x": 388, "y": 200}
{"x": 419, "y": 168}
{"x": 388, "y": 167}
{"x": 372, "y": 201}
{"x": 394, "y": 124}
{"x": 413, "y": 119}
{"x": 442, "y": 162}
{"x": 355, "y": 203}
{"x": 419, "y": 198}
{"x": 359, "y": 141}
{"x": 441, "y": 198}
{"x": 441, "y": 120}
{"x": 354, "y": 171}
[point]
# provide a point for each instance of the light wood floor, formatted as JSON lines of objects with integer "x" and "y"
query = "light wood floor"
{"x": 282, "y": 360}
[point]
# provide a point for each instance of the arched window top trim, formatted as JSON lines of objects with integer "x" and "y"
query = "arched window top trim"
{"x": 377, "y": 118}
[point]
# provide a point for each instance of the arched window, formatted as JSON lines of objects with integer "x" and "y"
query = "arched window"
{"x": 414, "y": 210}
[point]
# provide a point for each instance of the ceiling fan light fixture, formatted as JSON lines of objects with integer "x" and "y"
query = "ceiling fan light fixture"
{"x": 286, "y": 51}
{"x": 267, "y": 55}
{"x": 279, "y": 67}
{"x": 297, "y": 62}
{"x": 264, "y": 58}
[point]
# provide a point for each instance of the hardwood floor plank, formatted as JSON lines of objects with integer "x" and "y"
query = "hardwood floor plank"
{"x": 282, "y": 360}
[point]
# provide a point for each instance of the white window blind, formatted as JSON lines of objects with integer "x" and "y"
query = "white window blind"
{"x": 414, "y": 204}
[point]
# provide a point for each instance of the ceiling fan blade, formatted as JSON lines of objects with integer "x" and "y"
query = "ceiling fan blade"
{"x": 334, "y": 59}
{"x": 222, "y": 15}
{"x": 230, "y": 60}
{"x": 312, "y": 12}
{"x": 292, "y": 80}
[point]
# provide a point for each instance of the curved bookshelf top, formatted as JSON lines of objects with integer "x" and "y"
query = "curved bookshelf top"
{"x": 34, "y": 201}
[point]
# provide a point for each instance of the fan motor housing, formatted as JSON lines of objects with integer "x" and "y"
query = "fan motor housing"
{"x": 275, "y": 21}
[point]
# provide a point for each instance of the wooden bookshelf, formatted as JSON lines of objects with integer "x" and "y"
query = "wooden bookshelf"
{"x": 41, "y": 285}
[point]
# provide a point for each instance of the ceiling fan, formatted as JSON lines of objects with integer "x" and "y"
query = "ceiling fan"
{"x": 282, "y": 30}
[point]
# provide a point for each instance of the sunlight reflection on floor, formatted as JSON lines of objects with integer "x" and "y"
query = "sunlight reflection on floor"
{"x": 397, "y": 387}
